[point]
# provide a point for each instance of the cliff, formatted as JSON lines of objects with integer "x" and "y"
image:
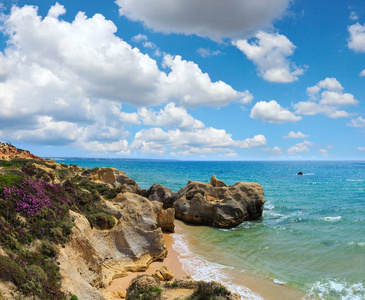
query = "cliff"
{"x": 69, "y": 231}
{"x": 8, "y": 152}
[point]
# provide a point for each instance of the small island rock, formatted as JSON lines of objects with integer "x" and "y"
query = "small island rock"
{"x": 224, "y": 206}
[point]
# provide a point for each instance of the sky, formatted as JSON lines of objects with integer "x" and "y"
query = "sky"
{"x": 184, "y": 79}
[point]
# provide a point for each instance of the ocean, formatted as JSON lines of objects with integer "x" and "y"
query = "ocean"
{"x": 311, "y": 236}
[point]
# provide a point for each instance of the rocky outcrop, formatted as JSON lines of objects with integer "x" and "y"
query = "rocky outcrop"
{"x": 166, "y": 220}
{"x": 150, "y": 287}
{"x": 93, "y": 258}
{"x": 223, "y": 206}
{"x": 115, "y": 179}
{"x": 215, "y": 182}
{"x": 163, "y": 274}
{"x": 162, "y": 194}
{"x": 8, "y": 152}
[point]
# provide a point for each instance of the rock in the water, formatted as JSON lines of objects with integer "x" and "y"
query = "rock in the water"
{"x": 300, "y": 173}
{"x": 216, "y": 182}
{"x": 224, "y": 207}
{"x": 162, "y": 194}
{"x": 163, "y": 274}
{"x": 115, "y": 178}
{"x": 166, "y": 220}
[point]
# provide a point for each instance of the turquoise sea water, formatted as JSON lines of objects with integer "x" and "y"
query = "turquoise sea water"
{"x": 311, "y": 235}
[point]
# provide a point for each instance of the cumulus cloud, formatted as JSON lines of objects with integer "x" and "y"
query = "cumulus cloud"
{"x": 170, "y": 117}
{"x": 269, "y": 52}
{"x": 156, "y": 140}
{"x": 65, "y": 82}
{"x": 190, "y": 87}
{"x": 326, "y": 97}
{"x": 301, "y": 147}
{"x": 274, "y": 151}
{"x": 362, "y": 73}
{"x": 208, "y": 18}
{"x": 361, "y": 148}
{"x": 359, "y": 122}
{"x": 203, "y": 52}
{"x": 356, "y": 41}
{"x": 354, "y": 16}
{"x": 323, "y": 152}
{"x": 272, "y": 112}
{"x": 296, "y": 135}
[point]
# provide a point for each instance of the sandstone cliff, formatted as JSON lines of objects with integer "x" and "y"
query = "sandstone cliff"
{"x": 8, "y": 152}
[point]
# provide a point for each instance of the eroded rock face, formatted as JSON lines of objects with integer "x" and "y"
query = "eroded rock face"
{"x": 166, "y": 220}
{"x": 162, "y": 194}
{"x": 93, "y": 258}
{"x": 221, "y": 206}
{"x": 115, "y": 178}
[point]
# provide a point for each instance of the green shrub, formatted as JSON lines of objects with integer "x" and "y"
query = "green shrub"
{"x": 48, "y": 249}
{"x": 74, "y": 297}
{"x": 101, "y": 220}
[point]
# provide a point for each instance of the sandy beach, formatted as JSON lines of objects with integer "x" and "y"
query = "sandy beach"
{"x": 171, "y": 261}
{"x": 262, "y": 287}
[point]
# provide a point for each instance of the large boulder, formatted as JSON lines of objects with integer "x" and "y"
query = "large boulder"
{"x": 219, "y": 206}
{"x": 162, "y": 194}
{"x": 115, "y": 179}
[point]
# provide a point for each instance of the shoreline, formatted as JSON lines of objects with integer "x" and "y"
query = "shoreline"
{"x": 254, "y": 287}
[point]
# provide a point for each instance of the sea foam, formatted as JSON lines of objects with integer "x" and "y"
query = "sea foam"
{"x": 200, "y": 269}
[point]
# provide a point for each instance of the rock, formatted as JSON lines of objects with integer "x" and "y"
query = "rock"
{"x": 8, "y": 152}
{"x": 142, "y": 283}
{"x": 166, "y": 220}
{"x": 215, "y": 182}
{"x": 224, "y": 207}
{"x": 115, "y": 178}
{"x": 300, "y": 173}
{"x": 163, "y": 274}
{"x": 149, "y": 287}
{"x": 162, "y": 194}
{"x": 93, "y": 258}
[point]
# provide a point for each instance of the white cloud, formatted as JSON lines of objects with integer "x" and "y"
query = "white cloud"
{"x": 323, "y": 152}
{"x": 269, "y": 52}
{"x": 170, "y": 117}
{"x": 272, "y": 112}
{"x": 203, "y": 52}
{"x": 361, "y": 148}
{"x": 190, "y": 87}
{"x": 301, "y": 147}
{"x": 207, "y": 151}
{"x": 70, "y": 90}
{"x": 246, "y": 97}
{"x": 139, "y": 38}
{"x": 362, "y": 73}
{"x": 118, "y": 147}
{"x": 296, "y": 135}
{"x": 357, "y": 37}
{"x": 56, "y": 11}
{"x": 274, "y": 151}
{"x": 326, "y": 97}
{"x": 156, "y": 138}
{"x": 354, "y": 16}
{"x": 207, "y": 18}
{"x": 359, "y": 122}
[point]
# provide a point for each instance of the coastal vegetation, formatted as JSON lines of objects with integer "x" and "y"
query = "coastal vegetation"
{"x": 65, "y": 231}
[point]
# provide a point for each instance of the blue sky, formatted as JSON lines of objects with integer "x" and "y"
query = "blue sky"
{"x": 184, "y": 79}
